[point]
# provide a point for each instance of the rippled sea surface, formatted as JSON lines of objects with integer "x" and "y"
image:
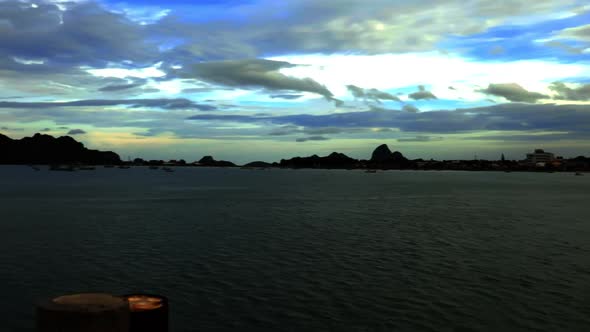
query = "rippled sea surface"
{"x": 302, "y": 250}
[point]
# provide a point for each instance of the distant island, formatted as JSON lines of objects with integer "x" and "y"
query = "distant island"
{"x": 48, "y": 150}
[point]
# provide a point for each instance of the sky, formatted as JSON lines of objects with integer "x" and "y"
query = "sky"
{"x": 265, "y": 79}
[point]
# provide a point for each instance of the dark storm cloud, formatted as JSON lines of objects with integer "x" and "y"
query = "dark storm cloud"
{"x": 76, "y": 132}
{"x": 312, "y": 138}
{"x": 513, "y": 92}
{"x": 370, "y": 94}
{"x": 45, "y": 38}
{"x": 581, "y": 93}
{"x": 422, "y": 94}
{"x": 257, "y": 73}
{"x": 171, "y": 104}
{"x": 522, "y": 117}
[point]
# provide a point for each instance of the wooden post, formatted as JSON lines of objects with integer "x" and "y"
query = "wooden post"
{"x": 92, "y": 312}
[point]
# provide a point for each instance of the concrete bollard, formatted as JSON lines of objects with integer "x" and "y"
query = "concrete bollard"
{"x": 149, "y": 313}
{"x": 91, "y": 312}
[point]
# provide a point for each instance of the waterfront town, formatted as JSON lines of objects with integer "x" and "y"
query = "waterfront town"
{"x": 65, "y": 153}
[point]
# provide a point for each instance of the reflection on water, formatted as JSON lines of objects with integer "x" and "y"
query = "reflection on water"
{"x": 304, "y": 250}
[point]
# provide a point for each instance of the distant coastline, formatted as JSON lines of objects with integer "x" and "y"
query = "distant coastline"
{"x": 48, "y": 150}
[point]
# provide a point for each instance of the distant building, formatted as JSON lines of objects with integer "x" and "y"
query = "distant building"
{"x": 540, "y": 157}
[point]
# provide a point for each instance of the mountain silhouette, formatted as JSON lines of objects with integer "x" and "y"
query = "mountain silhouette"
{"x": 211, "y": 162}
{"x": 46, "y": 149}
{"x": 334, "y": 160}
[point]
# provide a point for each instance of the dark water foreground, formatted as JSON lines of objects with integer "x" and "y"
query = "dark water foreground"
{"x": 285, "y": 250}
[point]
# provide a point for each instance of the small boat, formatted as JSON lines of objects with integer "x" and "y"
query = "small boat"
{"x": 35, "y": 168}
{"x": 371, "y": 171}
{"x": 62, "y": 168}
{"x": 154, "y": 167}
{"x": 109, "y": 166}
{"x": 124, "y": 167}
{"x": 167, "y": 169}
{"x": 579, "y": 174}
{"x": 87, "y": 168}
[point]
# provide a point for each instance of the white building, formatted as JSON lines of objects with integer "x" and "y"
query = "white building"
{"x": 540, "y": 157}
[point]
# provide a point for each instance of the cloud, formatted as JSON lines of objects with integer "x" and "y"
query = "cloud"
{"x": 257, "y": 73}
{"x": 339, "y": 26}
{"x": 579, "y": 33}
{"x": 403, "y": 71}
{"x": 497, "y": 50}
{"x": 285, "y": 130}
{"x": 574, "y": 119}
{"x": 119, "y": 87}
{"x": 12, "y": 129}
{"x": 286, "y": 96}
{"x": 52, "y": 37}
{"x": 312, "y": 138}
{"x": 356, "y": 91}
{"x": 422, "y": 94}
{"x": 370, "y": 94}
{"x": 513, "y": 92}
{"x": 528, "y": 137}
{"x": 566, "y": 47}
{"x": 420, "y": 139}
{"x": 170, "y": 104}
{"x": 324, "y": 130}
{"x": 580, "y": 93}
{"x": 290, "y": 130}
{"x": 98, "y": 35}
{"x": 76, "y": 132}
{"x": 410, "y": 108}
{"x": 384, "y": 130}
{"x": 380, "y": 95}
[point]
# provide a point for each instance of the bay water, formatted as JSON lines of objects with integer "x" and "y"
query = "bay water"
{"x": 304, "y": 250}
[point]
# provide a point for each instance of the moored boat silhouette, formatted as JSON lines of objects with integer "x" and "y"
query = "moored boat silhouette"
{"x": 62, "y": 168}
